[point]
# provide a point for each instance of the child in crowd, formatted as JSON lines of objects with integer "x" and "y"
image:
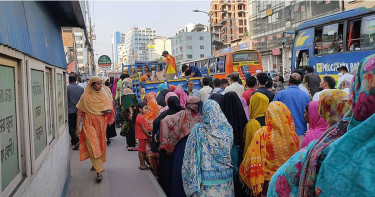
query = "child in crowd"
{"x": 141, "y": 132}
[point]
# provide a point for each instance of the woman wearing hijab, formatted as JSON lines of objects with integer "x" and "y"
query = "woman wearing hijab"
{"x": 182, "y": 95}
{"x": 96, "y": 110}
{"x": 340, "y": 161}
{"x": 114, "y": 87}
{"x": 207, "y": 168}
{"x": 166, "y": 99}
{"x": 257, "y": 112}
{"x": 271, "y": 146}
{"x": 162, "y": 92}
{"x": 172, "y": 88}
{"x": 317, "y": 125}
{"x": 174, "y": 132}
{"x": 245, "y": 107}
{"x": 111, "y": 129}
{"x": 165, "y": 159}
{"x": 216, "y": 97}
{"x": 236, "y": 116}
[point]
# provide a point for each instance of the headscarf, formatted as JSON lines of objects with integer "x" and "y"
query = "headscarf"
{"x": 153, "y": 108}
{"x": 114, "y": 87}
{"x": 258, "y": 107}
{"x": 179, "y": 87}
{"x": 177, "y": 126}
{"x": 233, "y": 110}
{"x": 217, "y": 97}
{"x": 210, "y": 142}
{"x": 106, "y": 89}
{"x": 162, "y": 86}
{"x": 161, "y": 95}
{"x": 317, "y": 125}
{"x": 166, "y": 101}
{"x": 271, "y": 147}
{"x": 92, "y": 101}
{"x": 333, "y": 104}
{"x": 245, "y": 107}
{"x": 172, "y": 88}
{"x": 174, "y": 107}
{"x": 182, "y": 95}
{"x": 345, "y": 152}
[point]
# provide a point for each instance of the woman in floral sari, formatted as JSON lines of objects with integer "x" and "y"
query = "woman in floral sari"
{"x": 340, "y": 162}
{"x": 97, "y": 112}
{"x": 207, "y": 168}
{"x": 271, "y": 146}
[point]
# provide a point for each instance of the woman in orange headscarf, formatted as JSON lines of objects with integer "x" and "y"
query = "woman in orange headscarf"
{"x": 271, "y": 146}
{"x": 97, "y": 112}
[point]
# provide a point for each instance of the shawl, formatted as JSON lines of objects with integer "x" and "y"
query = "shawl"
{"x": 233, "y": 110}
{"x": 162, "y": 86}
{"x": 172, "y": 88}
{"x": 245, "y": 107}
{"x": 161, "y": 97}
{"x": 257, "y": 108}
{"x": 175, "y": 127}
{"x": 153, "y": 108}
{"x": 317, "y": 125}
{"x": 92, "y": 101}
{"x": 217, "y": 97}
{"x": 271, "y": 147}
{"x": 106, "y": 89}
{"x": 114, "y": 87}
{"x": 166, "y": 101}
{"x": 207, "y": 159}
{"x": 182, "y": 95}
{"x": 179, "y": 87}
{"x": 352, "y": 137}
{"x": 333, "y": 105}
{"x": 174, "y": 107}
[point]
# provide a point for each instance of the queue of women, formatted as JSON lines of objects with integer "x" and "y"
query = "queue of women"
{"x": 217, "y": 149}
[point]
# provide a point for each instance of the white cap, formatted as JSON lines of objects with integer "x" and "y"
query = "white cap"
{"x": 258, "y": 71}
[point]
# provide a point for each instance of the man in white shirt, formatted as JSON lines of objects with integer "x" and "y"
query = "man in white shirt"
{"x": 344, "y": 75}
{"x": 327, "y": 83}
{"x": 234, "y": 85}
{"x": 205, "y": 90}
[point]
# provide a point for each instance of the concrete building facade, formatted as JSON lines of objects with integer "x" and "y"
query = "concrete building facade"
{"x": 135, "y": 42}
{"x": 117, "y": 39}
{"x": 228, "y": 22}
{"x": 193, "y": 45}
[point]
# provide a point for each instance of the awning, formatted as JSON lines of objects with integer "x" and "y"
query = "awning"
{"x": 71, "y": 67}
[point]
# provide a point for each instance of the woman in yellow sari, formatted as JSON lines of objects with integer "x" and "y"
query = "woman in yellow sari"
{"x": 257, "y": 111}
{"x": 97, "y": 112}
{"x": 271, "y": 146}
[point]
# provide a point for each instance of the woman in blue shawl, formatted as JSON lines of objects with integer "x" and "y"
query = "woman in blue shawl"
{"x": 341, "y": 162}
{"x": 207, "y": 168}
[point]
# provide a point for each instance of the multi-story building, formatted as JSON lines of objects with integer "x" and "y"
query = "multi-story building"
{"x": 351, "y": 4}
{"x": 121, "y": 48}
{"x": 135, "y": 42}
{"x": 191, "y": 45}
{"x": 117, "y": 39}
{"x": 155, "y": 48}
{"x": 228, "y": 22}
{"x": 271, "y": 21}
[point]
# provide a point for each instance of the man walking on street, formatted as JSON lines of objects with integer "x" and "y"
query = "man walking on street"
{"x": 312, "y": 80}
{"x": 74, "y": 94}
{"x": 170, "y": 70}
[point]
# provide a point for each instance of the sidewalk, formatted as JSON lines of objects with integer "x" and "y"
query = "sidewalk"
{"x": 120, "y": 178}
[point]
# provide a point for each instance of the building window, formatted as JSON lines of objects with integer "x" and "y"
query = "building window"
{"x": 188, "y": 38}
{"x": 202, "y": 55}
{"x": 201, "y": 38}
{"x": 190, "y": 47}
{"x": 201, "y": 47}
{"x": 190, "y": 56}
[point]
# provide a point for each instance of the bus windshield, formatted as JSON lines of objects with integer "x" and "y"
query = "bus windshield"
{"x": 246, "y": 56}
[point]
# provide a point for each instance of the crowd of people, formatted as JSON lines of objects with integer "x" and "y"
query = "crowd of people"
{"x": 262, "y": 138}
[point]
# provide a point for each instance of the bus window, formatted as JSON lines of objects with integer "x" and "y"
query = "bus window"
{"x": 318, "y": 41}
{"x": 246, "y": 56}
{"x": 368, "y": 32}
{"x": 354, "y": 35}
{"x": 221, "y": 65}
{"x": 332, "y": 38}
{"x": 302, "y": 59}
{"x": 212, "y": 66}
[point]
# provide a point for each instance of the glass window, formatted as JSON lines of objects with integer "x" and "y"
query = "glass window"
{"x": 354, "y": 35}
{"x": 318, "y": 41}
{"x": 202, "y": 55}
{"x": 368, "y": 32}
{"x": 38, "y": 112}
{"x": 8, "y": 127}
{"x": 50, "y": 133}
{"x": 187, "y": 38}
{"x": 201, "y": 47}
{"x": 60, "y": 101}
{"x": 201, "y": 38}
{"x": 332, "y": 38}
{"x": 190, "y": 47}
{"x": 246, "y": 56}
{"x": 190, "y": 56}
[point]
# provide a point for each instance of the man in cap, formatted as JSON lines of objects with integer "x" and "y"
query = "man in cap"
{"x": 170, "y": 70}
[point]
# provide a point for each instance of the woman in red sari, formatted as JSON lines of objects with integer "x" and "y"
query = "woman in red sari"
{"x": 97, "y": 112}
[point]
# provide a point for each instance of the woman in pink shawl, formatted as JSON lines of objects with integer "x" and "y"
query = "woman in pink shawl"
{"x": 317, "y": 125}
{"x": 166, "y": 100}
{"x": 245, "y": 107}
{"x": 182, "y": 95}
{"x": 114, "y": 87}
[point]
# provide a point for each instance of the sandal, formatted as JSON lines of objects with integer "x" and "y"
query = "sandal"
{"x": 99, "y": 177}
{"x": 132, "y": 149}
{"x": 76, "y": 146}
{"x": 92, "y": 168}
{"x": 145, "y": 168}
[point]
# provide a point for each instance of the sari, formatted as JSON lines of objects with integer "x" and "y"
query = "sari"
{"x": 317, "y": 125}
{"x": 257, "y": 108}
{"x": 340, "y": 161}
{"x": 92, "y": 141}
{"x": 151, "y": 114}
{"x": 182, "y": 95}
{"x": 245, "y": 107}
{"x": 271, "y": 146}
{"x": 207, "y": 168}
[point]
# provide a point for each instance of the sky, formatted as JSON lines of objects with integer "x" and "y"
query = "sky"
{"x": 165, "y": 16}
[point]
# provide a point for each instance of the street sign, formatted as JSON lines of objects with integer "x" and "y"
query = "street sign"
{"x": 104, "y": 61}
